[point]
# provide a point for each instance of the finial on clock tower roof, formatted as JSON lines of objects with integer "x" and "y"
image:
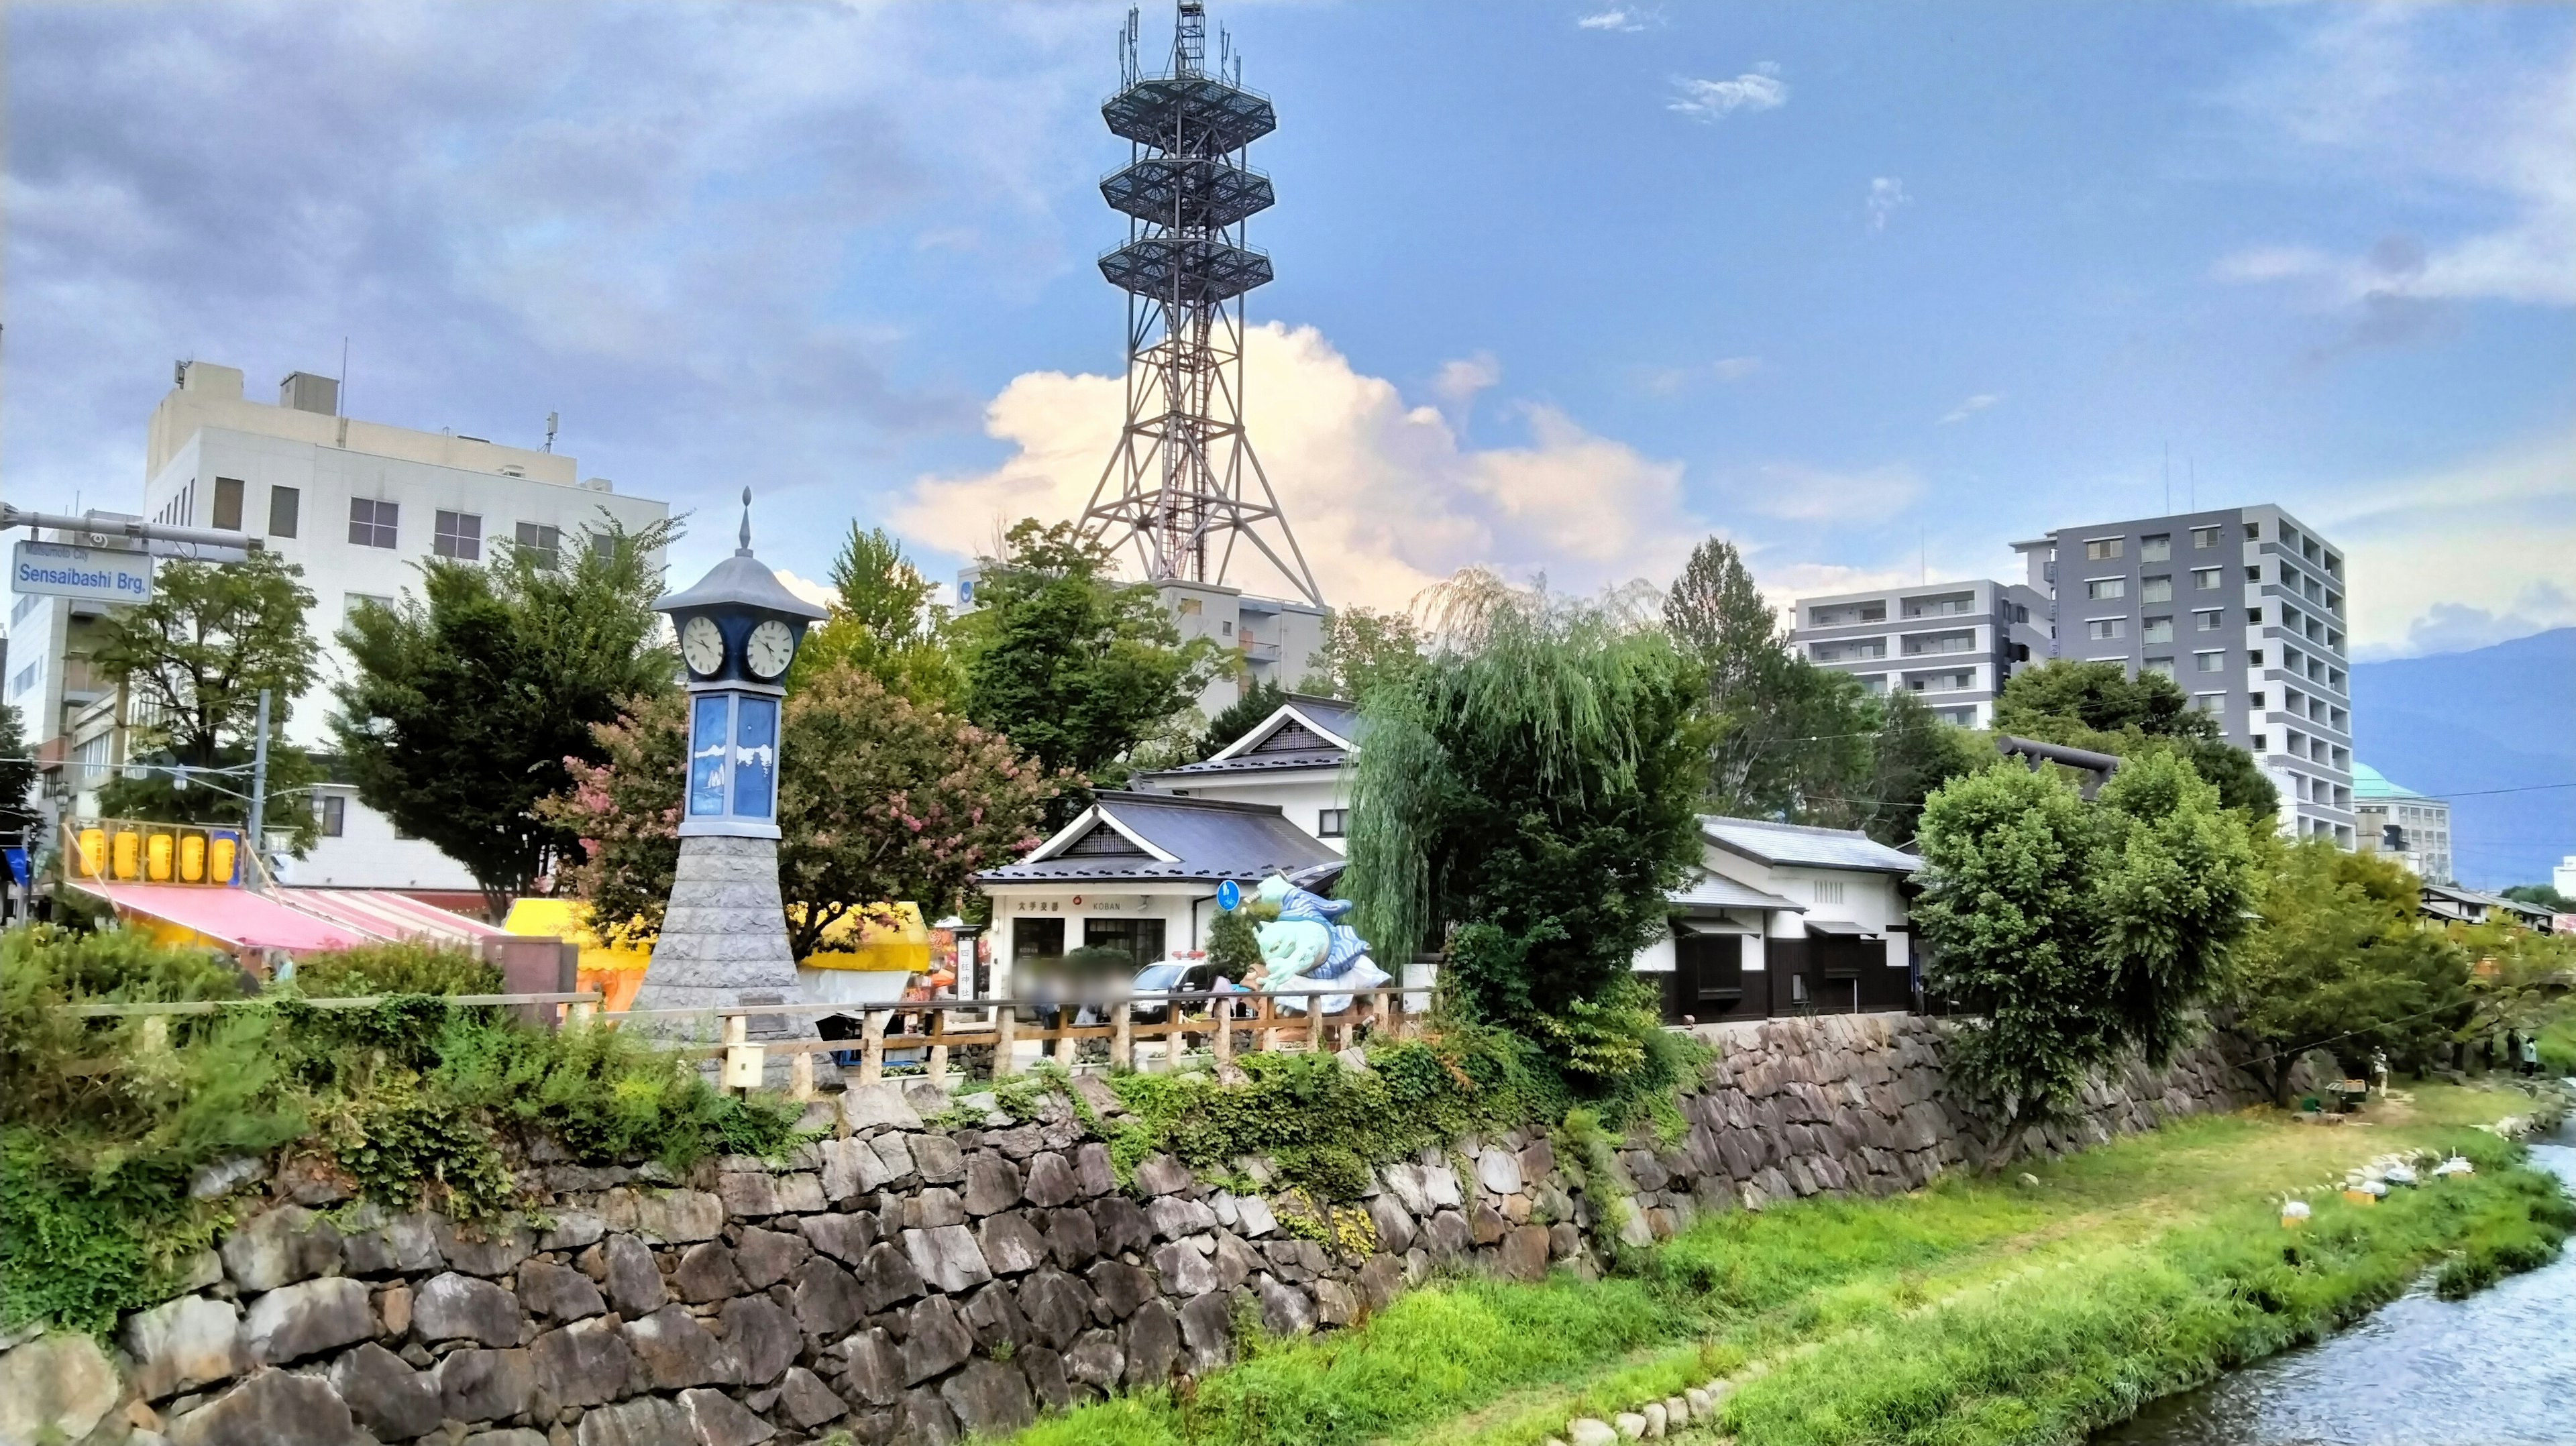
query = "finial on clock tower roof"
{"x": 745, "y": 549}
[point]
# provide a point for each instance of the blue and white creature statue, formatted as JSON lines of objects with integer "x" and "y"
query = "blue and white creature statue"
{"x": 1309, "y": 943}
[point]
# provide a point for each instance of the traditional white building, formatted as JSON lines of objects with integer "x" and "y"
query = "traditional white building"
{"x": 1297, "y": 760}
{"x": 358, "y": 505}
{"x": 1786, "y": 919}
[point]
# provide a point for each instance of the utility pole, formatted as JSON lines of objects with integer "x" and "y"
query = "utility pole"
{"x": 259, "y": 783}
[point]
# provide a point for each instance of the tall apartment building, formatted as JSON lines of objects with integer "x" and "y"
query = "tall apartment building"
{"x": 2241, "y": 606}
{"x": 1954, "y": 643}
{"x": 357, "y": 505}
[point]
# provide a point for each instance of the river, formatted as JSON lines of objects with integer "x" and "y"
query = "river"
{"x": 2497, "y": 1369}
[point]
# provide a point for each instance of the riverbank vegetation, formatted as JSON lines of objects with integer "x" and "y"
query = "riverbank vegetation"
{"x": 1981, "y": 1309}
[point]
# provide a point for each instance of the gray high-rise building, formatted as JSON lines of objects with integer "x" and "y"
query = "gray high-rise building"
{"x": 1954, "y": 643}
{"x": 2244, "y": 608}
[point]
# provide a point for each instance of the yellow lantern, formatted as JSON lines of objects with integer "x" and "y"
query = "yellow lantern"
{"x": 157, "y": 851}
{"x": 192, "y": 858}
{"x": 93, "y": 852}
{"x": 128, "y": 849}
{"x": 221, "y": 870}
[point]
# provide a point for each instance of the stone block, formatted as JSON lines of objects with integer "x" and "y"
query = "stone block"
{"x": 1173, "y": 1216}
{"x": 376, "y": 1242}
{"x": 677, "y": 1352}
{"x": 1118, "y": 1289}
{"x": 1395, "y": 1229}
{"x": 1525, "y": 1252}
{"x": 873, "y": 1367}
{"x": 948, "y": 1259}
{"x": 1498, "y": 1171}
{"x": 1183, "y": 1271}
{"x": 800, "y": 1192}
{"x": 646, "y": 1421}
{"x": 937, "y": 1160}
{"x": 851, "y": 1169}
{"x": 1379, "y": 1280}
{"x": 1011, "y": 1245}
{"x": 716, "y": 1419}
{"x": 989, "y": 1398}
{"x": 273, "y": 1408}
{"x": 1071, "y": 1237}
{"x": 1048, "y": 1381}
{"x": 1162, "y": 1175}
{"x": 829, "y": 1300}
{"x": 806, "y": 1402}
{"x": 925, "y": 1420}
{"x": 748, "y": 1197}
{"x": 1152, "y": 1344}
{"x": 876, "y": 1106}
{"x": 1254, "y": 1217}
{"x": 762, "y": 1336}
{"x": 1235, "y": 1262}
{"x": 1056, "y": 1306}
{"x": 935, "y": 1340}
{"x": 479, "y": 1385}
{"x": 1092, "y": 1170}
{"x": 1051, "y": 1181}
{"x": 1445, "y": 1235}
{"x": 633, "y": 1282}
{"x": 766, "y": 1257}
{"x": 993, "y": 1318}
{"x": 677, "y": 1217}
{"x": 184, "y": 1344}
{"x": 309, "y": 1317}
{"x": 707, "y": 1273}
{"x": 551, "y": 1291}
{"x": 886, "y": 1279}
{"x": 845, "y": 1238}
{"x": 992, "y": 1184}
{"x": 1207, "y": 1331}
{"x": 281, "y": 1247}
{"x": 487, "y": 1250}
{"x": 56, "y": 1387}
{"x": 587, "y": 1363}
{"x": 385, "y": 1395}
{"x": 1285, "y": 1310}
{"x": 459, "y": 1307}
{"x": 894, "y": 1158}
{"x": 1121, "y": 1225}
{"x": 1096, "y": 1360}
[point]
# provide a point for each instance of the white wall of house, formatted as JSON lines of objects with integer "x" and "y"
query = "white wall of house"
{"x": 1305, "y": 797}
{"x": 1852, "y": 896}
{"x": 1186, "y": 911}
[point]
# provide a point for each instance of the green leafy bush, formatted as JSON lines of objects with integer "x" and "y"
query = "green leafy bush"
{"x": 404, "y": 968}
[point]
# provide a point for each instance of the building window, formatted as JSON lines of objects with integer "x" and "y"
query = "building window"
{"x": 2104, "y": 629}
{"x": 333, "y": 812}
{"x": 545, "y": 540}
{"x": 603, "y": 546}
{"x": 2209, "y": 662}
{"x": 228, "y": 504}
{"x": 2253, "y": 532}
{"x": 2158, "y": 548}
{"x": 2103, "y": 589}
{"x": 1829, "y": 891}
{"x": 1332, "y": 822}
{"x": 2204, "y": 538}
{"x": 1188, "y": 607}
{"x": 2255, "y": 616}
{"x": 283, "y": 503}
{"x": 2161, "y": 667}
{"x": 2156, "y": 589}
{"x": 349, "y": 605}
{"x": 2210, "y": 702}
{"x": 372, "y": 523}
{"x": 2261, "y": 743}
{"x": 460, "y": 536}
{"x": 2102, "y": 549}
{"x": 2158, "y": 630}
{"x": 2205, "y": 579}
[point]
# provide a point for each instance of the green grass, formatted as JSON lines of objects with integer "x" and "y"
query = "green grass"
{"x": 1975, "y": 1311}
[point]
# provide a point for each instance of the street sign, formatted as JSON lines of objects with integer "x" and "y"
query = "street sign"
{"x": 97, "y": 573}
{"x": 1228, "y": 895}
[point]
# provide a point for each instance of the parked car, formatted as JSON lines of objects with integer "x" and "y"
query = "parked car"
{"x": 1168, "y": 977}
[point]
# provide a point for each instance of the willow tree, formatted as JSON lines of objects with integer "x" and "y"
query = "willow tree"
{"x": 1525, "y": 798}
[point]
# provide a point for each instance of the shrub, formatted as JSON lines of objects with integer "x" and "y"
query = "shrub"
{"x": 404, "y": 968}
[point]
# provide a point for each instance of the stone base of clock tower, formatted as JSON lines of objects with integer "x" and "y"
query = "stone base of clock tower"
{"x": 724, "y": 942}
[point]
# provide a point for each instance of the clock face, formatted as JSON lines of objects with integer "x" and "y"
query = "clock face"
{"x": 702, "y": 646}
{"x": 770, "y": 649}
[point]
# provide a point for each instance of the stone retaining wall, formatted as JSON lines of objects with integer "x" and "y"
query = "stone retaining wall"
{"x": 902, "y": 1283}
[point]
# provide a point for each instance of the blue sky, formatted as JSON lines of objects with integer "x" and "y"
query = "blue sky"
{"x": 1866, "y": 287}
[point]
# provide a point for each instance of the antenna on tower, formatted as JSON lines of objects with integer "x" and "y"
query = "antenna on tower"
{"x": 1183, "y": 473}
{"x": 551, "y": 419}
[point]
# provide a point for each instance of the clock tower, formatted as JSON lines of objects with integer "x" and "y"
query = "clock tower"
{"x": 724, "y": 933}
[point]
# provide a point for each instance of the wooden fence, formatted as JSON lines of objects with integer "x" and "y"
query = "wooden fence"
{"x": 927, "y": 1031}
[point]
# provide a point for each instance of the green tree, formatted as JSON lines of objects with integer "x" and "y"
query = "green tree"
{"x": 2339, "y": 961}
{"x": 1241, "y": 716}
{"x": 1527, "y": 796}
{"x": 2542, "y": 895}
{"x": 879, "y": 801}
{"x": 2078, "y": 931}
{"x": 468, "y": 700}
{"x": 1363, "y": 648}
{"x": 1791, "y": 739}
{"x": 884, "y": 623}
{"x": 17, "y": 777}
{"x": 1912, "y": 754}
{"x": 1068, "y": 662}
{"x": 2097, "y": 705}
{"x": 193, "y": 660}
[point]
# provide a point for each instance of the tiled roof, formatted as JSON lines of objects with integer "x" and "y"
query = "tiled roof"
{"x": 1256, "y": 763}
{"x": 1272, "y": 746}
{"x": 1716, "y": 891}
{"x": 1800, "y": 846}
{"x": 1209, "y": 840}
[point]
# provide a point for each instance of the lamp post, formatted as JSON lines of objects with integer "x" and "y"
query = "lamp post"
{"x": 724, "y": 932}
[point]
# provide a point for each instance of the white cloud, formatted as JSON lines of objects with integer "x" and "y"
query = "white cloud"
{"x": 1712, "y": 100}
{"x": 2430, "y": 102}
{"x": 1796, "y": 492}
{"x": 1385, "y": 497}
{"x": 1616, "y": 19}
{"x": 820, "y": 594}
{"x": 1886, "y": 194}
{"x": 1458, "y": 381}
{"x": 2430, "y": 554}
{"x": 1970, "y": 407}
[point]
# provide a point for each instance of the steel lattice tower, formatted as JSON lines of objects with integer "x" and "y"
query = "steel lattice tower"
{"x": 1183, "y": 471}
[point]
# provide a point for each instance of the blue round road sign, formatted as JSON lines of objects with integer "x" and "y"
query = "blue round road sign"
{"x": 1227, "y": 896}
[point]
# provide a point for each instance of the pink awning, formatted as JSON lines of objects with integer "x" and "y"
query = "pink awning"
{"x": 237, "y": 917}
{"x": 384, "y": 914}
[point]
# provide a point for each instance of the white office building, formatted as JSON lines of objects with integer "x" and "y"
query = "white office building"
{"x": 357, "y": 505}
{"x": 1951, "y": 643}
{"x": 2244, "y": 608}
